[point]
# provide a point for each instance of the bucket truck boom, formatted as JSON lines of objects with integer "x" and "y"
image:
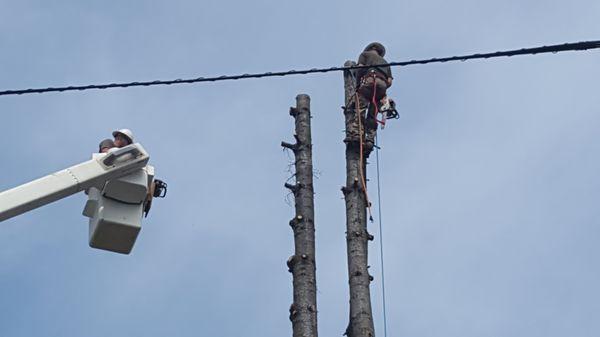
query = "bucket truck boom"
{"x": 77, "y": 178}
{"x": 117, "y": 184}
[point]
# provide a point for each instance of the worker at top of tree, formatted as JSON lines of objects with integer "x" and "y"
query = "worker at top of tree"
{"x": 106, "y": 145}
{"x": 372, "y": 84}
{"x": 123, "y": 137}
{"x": 373, "y": 55}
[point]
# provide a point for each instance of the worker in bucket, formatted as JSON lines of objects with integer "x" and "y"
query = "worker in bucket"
{"x": 106, "y": 145}
{"x": 123, "y": 137}
{"x": 157, "y": 188}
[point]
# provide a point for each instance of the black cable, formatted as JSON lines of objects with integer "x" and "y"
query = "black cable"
{"x": 585, "y": 45}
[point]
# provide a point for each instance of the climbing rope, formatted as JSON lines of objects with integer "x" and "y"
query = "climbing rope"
{"x": 376, "y": 112}
{"x": 359, "y": 118}
{"x": 381, "y": 239}
{"x": 360, "y": 131}
{"x": 361, "y": 156}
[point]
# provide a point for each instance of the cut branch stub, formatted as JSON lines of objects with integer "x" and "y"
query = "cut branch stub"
{"x": 293, "y": 147}
{"x": 295, "y": 221}
{"x": 346, "y": 190}
{"x": 293, "y": 311}
{"x": 293, "y": 112}
{"x": 290, "y": 263}
{"x": 293, "y": 188}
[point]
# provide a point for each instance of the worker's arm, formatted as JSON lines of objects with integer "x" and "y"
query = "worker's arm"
{"x": 148, "y": 201}
{"x": 362, "y": 59}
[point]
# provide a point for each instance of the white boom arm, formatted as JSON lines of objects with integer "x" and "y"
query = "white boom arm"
{"x": 59, "y": 185}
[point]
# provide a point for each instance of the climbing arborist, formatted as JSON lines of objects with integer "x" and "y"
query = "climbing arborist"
{"x": 123, "y": 137}
{"x": 372, "y": 84}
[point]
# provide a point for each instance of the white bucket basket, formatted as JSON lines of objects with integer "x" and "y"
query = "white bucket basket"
{"x": 115, "y": 212}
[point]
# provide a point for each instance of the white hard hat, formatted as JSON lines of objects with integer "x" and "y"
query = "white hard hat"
{"x": 125, "y": 132}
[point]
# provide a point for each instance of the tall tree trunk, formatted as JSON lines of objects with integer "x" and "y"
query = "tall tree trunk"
{"x": 303, "y": 311}
{"x": 357, "y": 237}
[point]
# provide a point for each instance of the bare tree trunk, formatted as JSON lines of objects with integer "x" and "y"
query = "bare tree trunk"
{"x": 303, "y": 311}
{"x": 357, "y": 237}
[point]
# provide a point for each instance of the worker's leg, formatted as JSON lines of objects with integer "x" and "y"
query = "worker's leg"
{"x": 355, "y": 109}
{"x": 377, "y": 92}
{"x": 381, "y": 88}
{"x": 352, "y": 131}
{"x": 370, "y": 130}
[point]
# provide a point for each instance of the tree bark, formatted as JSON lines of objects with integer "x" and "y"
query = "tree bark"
{"x": 303, "y": 311}
{"x": 361, "y": 317}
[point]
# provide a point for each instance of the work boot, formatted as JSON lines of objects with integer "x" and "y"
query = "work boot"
{"x": 369, "y": 142}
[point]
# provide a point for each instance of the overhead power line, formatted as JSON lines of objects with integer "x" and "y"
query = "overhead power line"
{"x": 585, "y": 45}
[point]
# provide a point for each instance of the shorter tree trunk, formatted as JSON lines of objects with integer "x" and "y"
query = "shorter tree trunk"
{"x": 303, "y": 311}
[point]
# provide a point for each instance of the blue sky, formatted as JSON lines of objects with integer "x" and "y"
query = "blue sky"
{"x": 490, "y": 177}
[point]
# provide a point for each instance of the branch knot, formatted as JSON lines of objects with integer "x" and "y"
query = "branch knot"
{"x": 293, "y": 147}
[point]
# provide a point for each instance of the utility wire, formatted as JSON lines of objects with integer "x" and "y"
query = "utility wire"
{"x": 585, "y": 45}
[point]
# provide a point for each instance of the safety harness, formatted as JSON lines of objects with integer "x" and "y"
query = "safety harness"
{"x": 388, "y": 113}
{"x": 373, "y": 75}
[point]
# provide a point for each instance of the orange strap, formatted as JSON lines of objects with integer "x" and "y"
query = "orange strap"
{"x": 374, "y": 101}
{"x": 360, "y": 168}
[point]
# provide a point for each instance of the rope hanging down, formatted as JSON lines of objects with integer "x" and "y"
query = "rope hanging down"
{"x": 377, "y": 148}
{"x": 585, "y": 45}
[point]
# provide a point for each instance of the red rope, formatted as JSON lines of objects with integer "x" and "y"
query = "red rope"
{"x": 374, "y": 101}
{"x": 362, "y": 163}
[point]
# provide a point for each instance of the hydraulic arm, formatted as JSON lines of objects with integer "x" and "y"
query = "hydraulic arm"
{"x": 77, "y": 178}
